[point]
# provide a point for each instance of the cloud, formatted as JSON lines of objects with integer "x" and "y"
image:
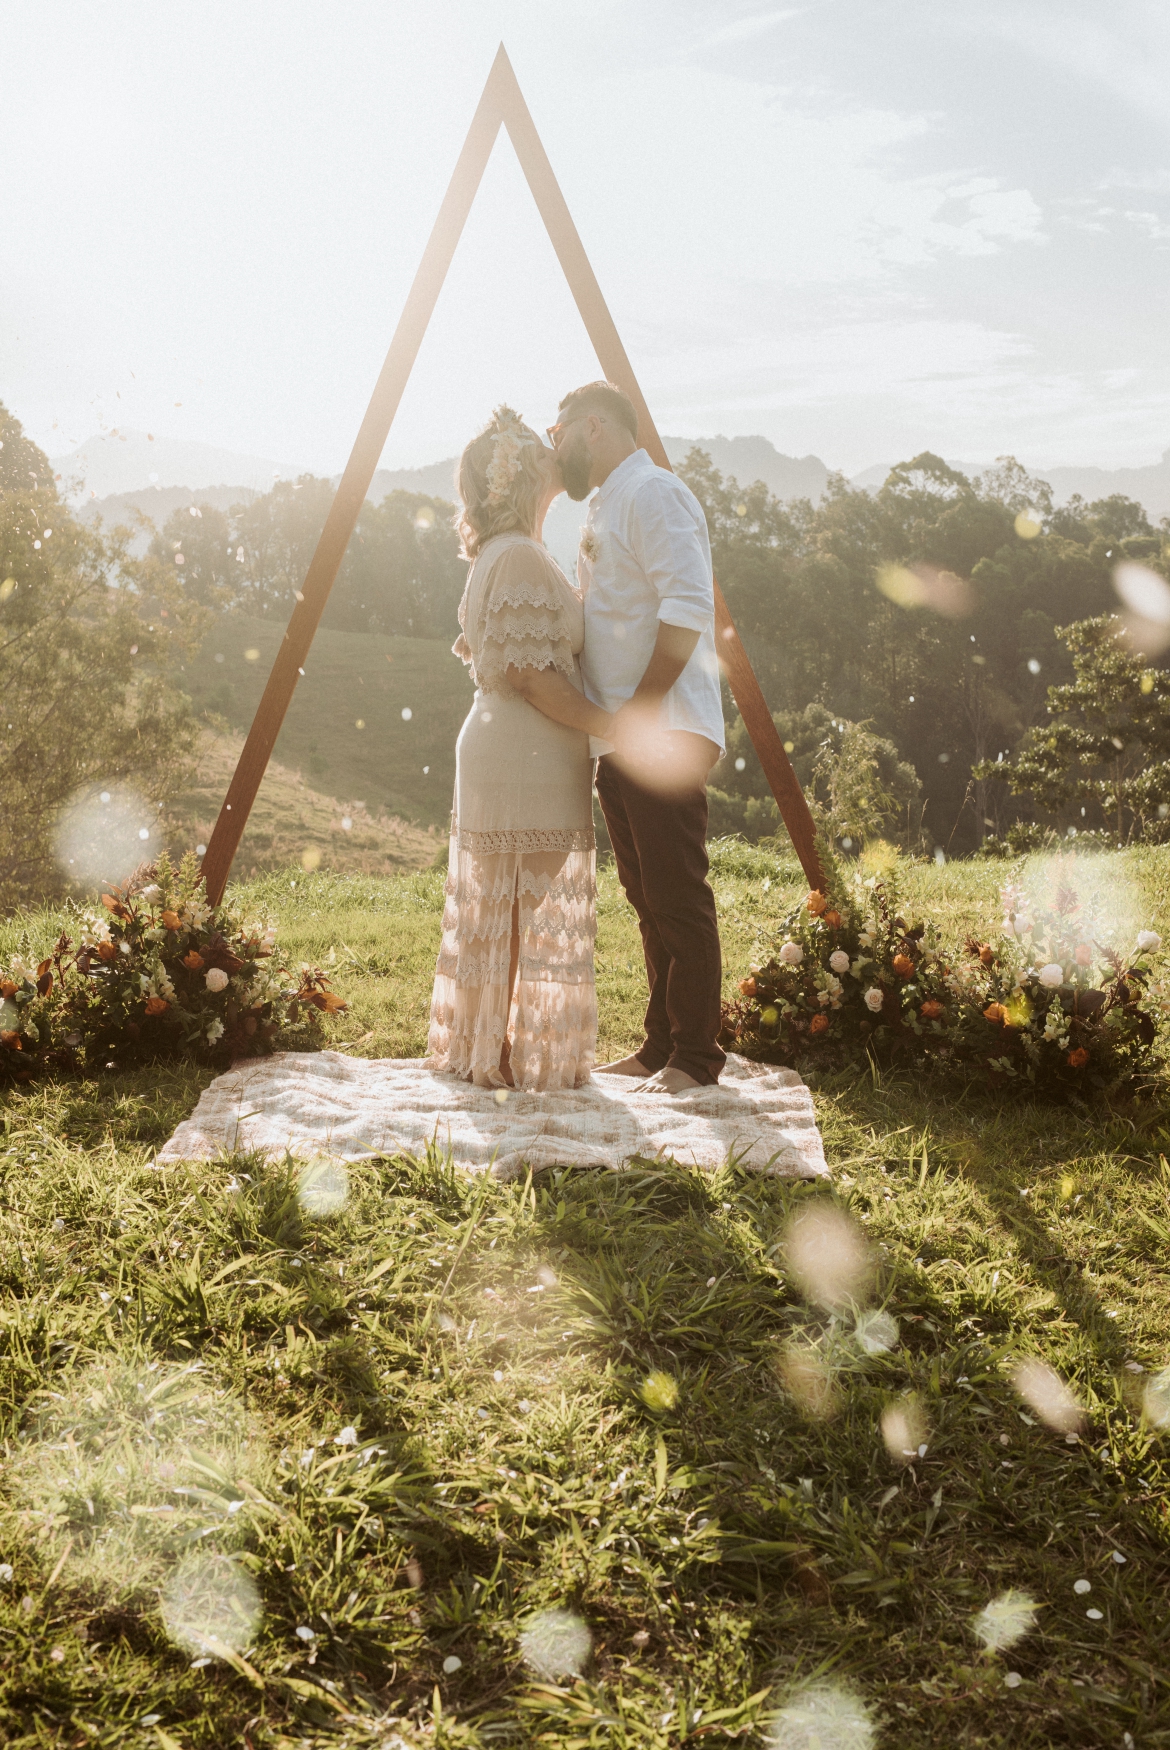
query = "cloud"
{"x": 746, "y": 28}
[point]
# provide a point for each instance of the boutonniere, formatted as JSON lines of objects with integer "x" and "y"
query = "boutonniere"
{"x": 589, "y": 547}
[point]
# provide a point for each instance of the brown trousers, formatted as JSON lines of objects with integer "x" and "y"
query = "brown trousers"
{"x": 660, "y": 844}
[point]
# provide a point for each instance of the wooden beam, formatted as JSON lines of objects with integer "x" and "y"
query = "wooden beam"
{"x": 502, "y": 102}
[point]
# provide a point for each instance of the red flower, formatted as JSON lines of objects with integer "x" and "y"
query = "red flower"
{"x": 816, "y": 903}
{"x": 193, "y": 961}
{"x": 819, "y": 1024}
{"x": 986, "y": 953}
{"x": 172, "y": 920}
{"x": 930, "y": 1011}
{"x": 833, "y": 919}
{"x": 1078, "y": 1059}
{"x": 106, "y": 951}
{"x": 157, "y": 1005}
{"x": 903, "y": 966}
{"x": 994, "y": 1012}
{"x": 747, "y": 987}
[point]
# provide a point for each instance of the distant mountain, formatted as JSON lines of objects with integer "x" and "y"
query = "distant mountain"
{"x": 117, "y": 462}
{"x": 747, "y": 459}
{"x": 1150, "y": 486}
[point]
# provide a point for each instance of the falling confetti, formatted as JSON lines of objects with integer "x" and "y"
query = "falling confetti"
{"x": 1005, "y": 1620}
{"x": 210, "y": 1604}
{"x": 556, "y": 1643}
{"x": 828, "y": 1257}
{"x": 825, "y": 1716}
{"x": 904, "y": 1431}
{"x": 659, "y": 1391}
{"x": 1043, "y": 1390}
{"x": 323, "y": 1187}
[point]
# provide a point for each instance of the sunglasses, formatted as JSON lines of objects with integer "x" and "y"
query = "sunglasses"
{"x": 554, "y": 433}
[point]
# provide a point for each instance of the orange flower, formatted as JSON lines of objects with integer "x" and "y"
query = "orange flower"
{"x": 986, "y": 953}
{"x": 816, "y": 903}
{"x": 903, "y": 966}
{"x": 106, "y": 951}
{"x": 172, "y": 920}
{"x": 747, "y": 987}
{"x": 1078, "y": 1059}
{"x": 833, "y": 919}
{"x": 12, "y": 1040}
{"x": 930, "y": 1011}
{"x": 994, "y": 1012}
{"x": 192, "y": 961}
{"x": 157, "y": 1005}
{"x": 7, "y": 989}
{"x": 1084, "y": 954}
{"x": 819, "y": 1024}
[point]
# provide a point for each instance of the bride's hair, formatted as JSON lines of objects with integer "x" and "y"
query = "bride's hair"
{"x": 500, "y": 480}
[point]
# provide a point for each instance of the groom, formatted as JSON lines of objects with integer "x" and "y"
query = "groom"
{"x": 645, "y": 574}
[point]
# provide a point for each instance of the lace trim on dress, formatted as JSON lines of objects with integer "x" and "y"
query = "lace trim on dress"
{"x": 525, "y": 838}
{"x": 553, "y": 1019}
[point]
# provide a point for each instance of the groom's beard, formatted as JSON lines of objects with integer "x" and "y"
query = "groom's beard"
{"x": 574, "y": 463}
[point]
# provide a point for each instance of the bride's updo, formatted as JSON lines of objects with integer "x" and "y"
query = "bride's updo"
{"x": 500, "y": 478}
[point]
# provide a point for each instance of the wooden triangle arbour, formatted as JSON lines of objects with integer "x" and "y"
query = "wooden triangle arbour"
{"x": 502, "y": 102}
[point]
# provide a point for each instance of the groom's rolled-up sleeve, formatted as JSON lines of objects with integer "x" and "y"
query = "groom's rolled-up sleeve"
{"x": 675, "y": 555}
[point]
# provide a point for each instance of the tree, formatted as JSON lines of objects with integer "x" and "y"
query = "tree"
{"x": 198, "y": 542}
{"x": 1105, "y": 744}
{"x": 89, "y": 640}
{"x": 927, "y": 610}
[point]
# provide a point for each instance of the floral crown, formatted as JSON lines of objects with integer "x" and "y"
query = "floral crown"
{"x": 511, "y": 436}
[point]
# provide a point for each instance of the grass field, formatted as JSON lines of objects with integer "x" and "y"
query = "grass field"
{"x": 203, "y": 1554}
{"x": 345, "y": 732}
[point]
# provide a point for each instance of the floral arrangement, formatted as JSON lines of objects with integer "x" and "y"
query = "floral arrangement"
{"x": 1052, "y": 1006}
{"x": 156, "y": 972}
{"x": 1053, "y": 1003}
{"x": 510, "y": 439}
{"x": 846, "y": 975}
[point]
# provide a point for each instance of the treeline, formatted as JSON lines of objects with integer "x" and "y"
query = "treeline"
{"x": 926, "y": 613}
{"x": 401, "y": 573}
{"x": 91, "y": 643}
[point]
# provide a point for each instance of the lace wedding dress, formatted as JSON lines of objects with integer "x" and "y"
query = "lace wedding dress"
{"x": 521, "y": 829}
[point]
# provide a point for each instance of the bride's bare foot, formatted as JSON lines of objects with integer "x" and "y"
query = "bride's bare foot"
{"x": 624, "y": 1066}
{"x": 669, "y": 1081}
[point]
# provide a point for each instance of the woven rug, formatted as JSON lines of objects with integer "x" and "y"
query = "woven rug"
{"x": 325, "y": 1103}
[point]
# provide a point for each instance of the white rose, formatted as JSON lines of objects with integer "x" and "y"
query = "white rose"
{"x": 1023, "y": 925}
{"x": 1051, "y": 975}
{"x": 792, "y": 954}
{"x": 839, "y": 960}
{"x": 874, "y": 998}
{"x": 215, "y": 978}
{"x": 1149, "y": 941}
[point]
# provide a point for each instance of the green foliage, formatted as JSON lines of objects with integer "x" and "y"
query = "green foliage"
{"x": 401, "y": 573}
{"x": 155, "y": 973}
{"x": 87, "y": 668}
{"x": 1104, "y": 742}
{"x": 859, "y": 786}
{"x": 927, "y": 611}
{"x": 184, "y": 1352}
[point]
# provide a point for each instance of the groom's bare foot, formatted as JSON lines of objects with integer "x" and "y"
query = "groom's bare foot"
{"x": 624, "y": 1066}
{"x": 670, "y": 1081}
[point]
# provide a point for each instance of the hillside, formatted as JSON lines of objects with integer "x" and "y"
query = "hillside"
{"x": 345, "y": 732}
{"x": 292, "y": 823}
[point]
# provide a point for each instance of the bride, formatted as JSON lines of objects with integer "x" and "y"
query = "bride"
{"x": 514, "y": 1002}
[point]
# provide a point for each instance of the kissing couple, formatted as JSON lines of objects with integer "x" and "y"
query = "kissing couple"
{"x": 616, "y": 676}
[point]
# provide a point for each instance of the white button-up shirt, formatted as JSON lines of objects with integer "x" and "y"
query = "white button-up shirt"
{"x": 646, "y": 557}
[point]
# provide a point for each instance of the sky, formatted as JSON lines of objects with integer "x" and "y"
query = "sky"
{"x": 862, "y": 228}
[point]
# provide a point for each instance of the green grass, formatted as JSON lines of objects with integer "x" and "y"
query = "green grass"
{"x": 350, "y": 678}
{"x": 180, "y": 1339}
